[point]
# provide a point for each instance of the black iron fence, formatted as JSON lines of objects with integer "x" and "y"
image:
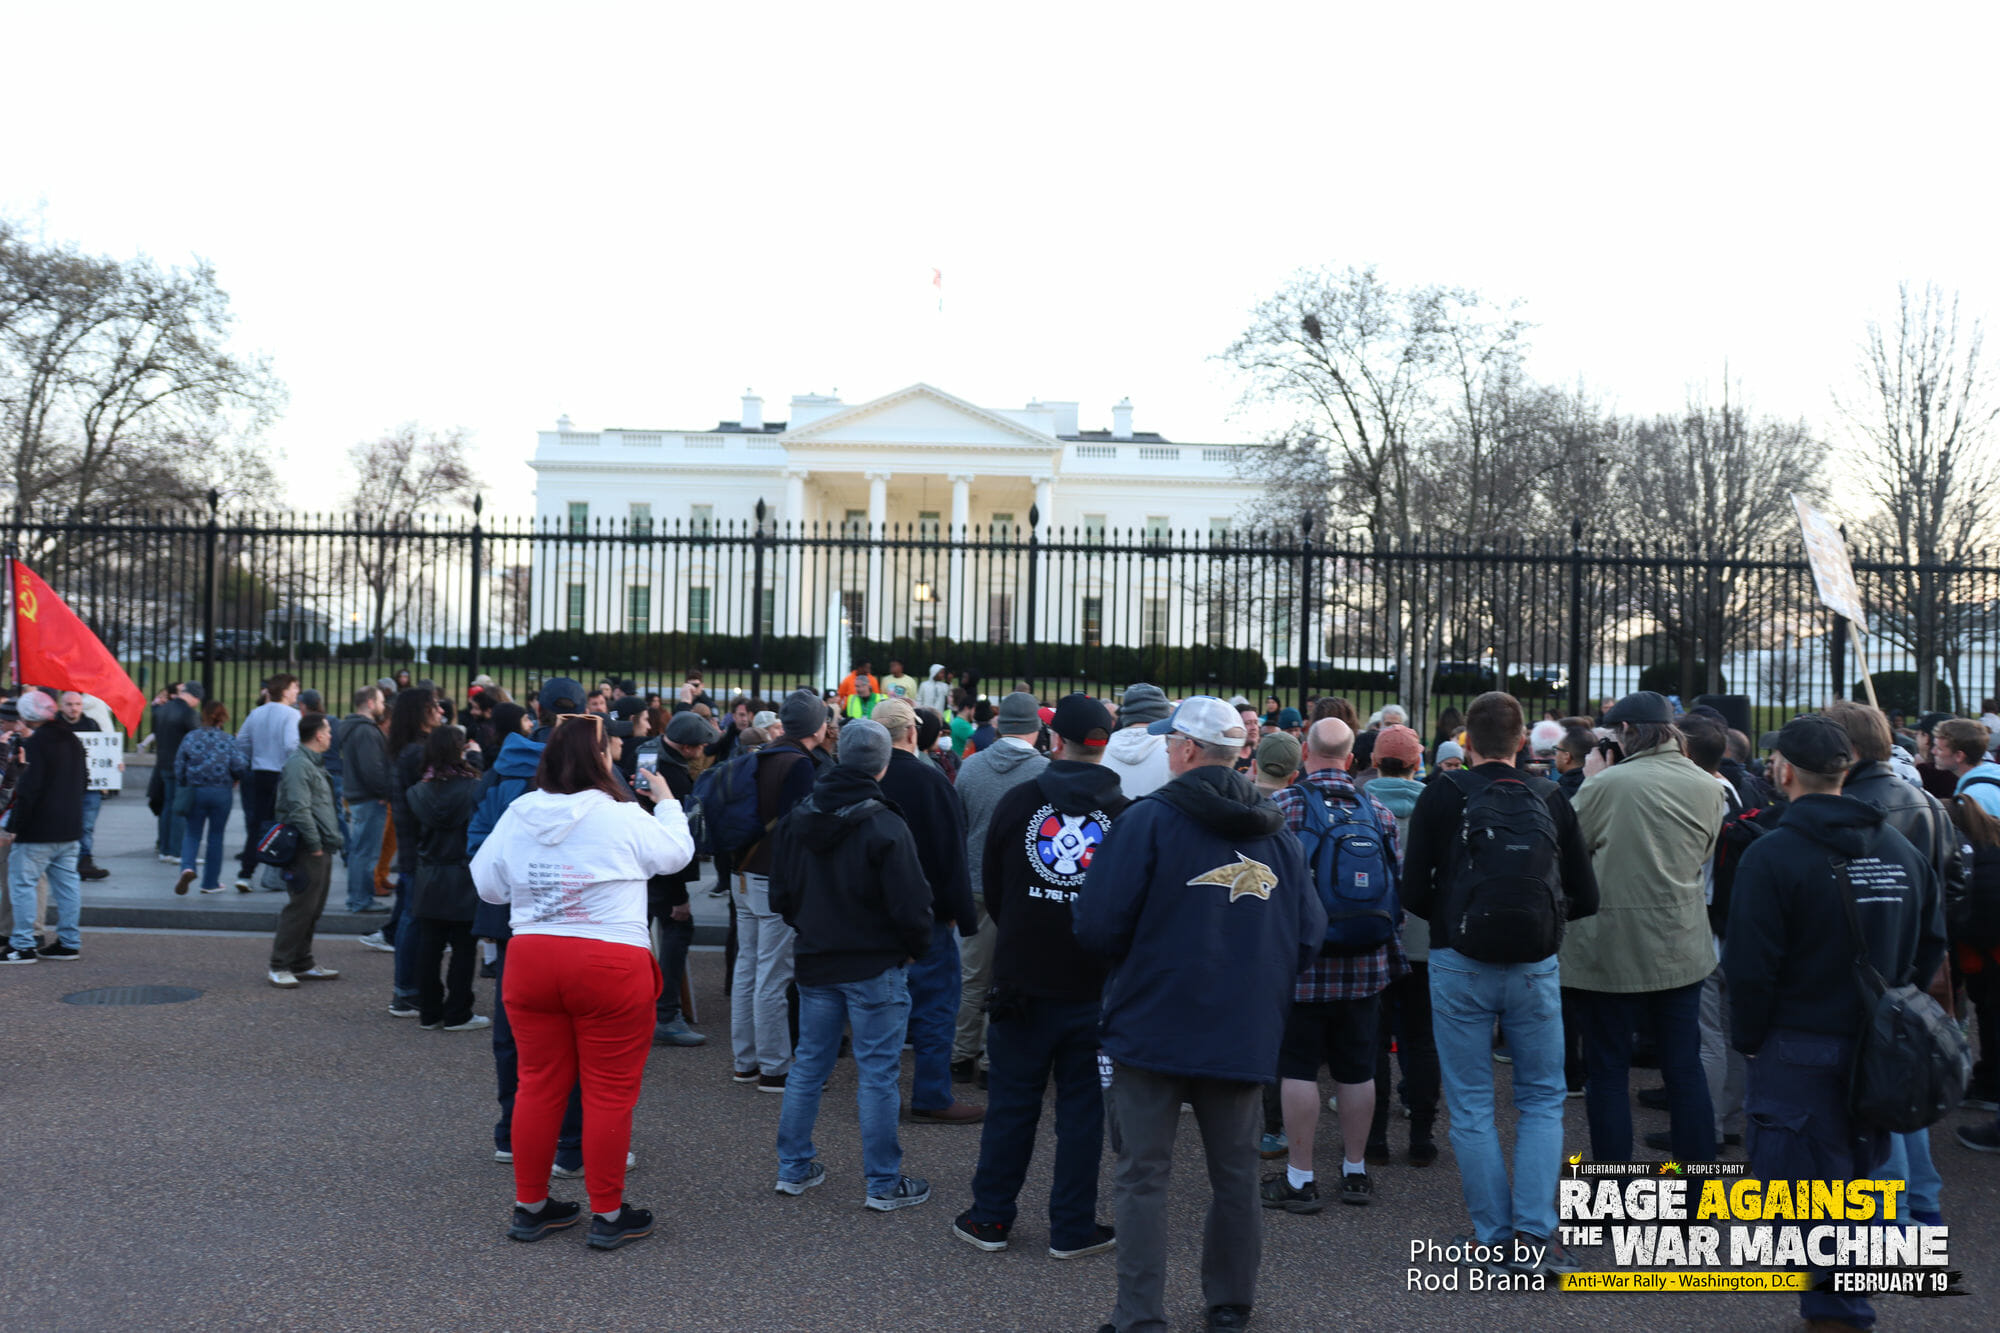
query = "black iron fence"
{"x": 760, "y": 608}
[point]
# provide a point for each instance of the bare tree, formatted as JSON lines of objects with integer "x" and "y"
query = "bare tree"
{"x": 404, "y": 481}
{"x": 1922, "y": 413}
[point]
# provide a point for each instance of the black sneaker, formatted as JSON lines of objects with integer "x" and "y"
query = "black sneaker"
{"x": 909, "y": 1192}
{"x": 1423, "y": 1152}
{"x": 1376, "y": 1153}
{"x": 988, "y": 1236}
{"x": 1356, "y": 1188}
{"x": 1979, "y": 1138}
{"x": 1277, "y": 1192}
{"x": 553, "y": 1216}
{"x": 962, "y": 1070}
{"x": 1106, "y": 1239}
{"x": 1653, "y": 1099}
{"x": 771, "y": 1083}
{"x": 630, "y": 1225}
{"x": 1228, "y": 1316}
{"x": 12, "y": 955}
{"x": 60, "y": 952}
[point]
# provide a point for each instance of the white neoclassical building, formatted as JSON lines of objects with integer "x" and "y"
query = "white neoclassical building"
{"x": 918, "y": 463}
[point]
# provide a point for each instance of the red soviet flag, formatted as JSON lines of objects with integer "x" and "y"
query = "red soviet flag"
{"x": 53, "y": 648}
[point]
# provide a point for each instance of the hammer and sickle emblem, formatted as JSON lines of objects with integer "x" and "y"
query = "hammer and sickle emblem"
{"x": 27, "y": 601}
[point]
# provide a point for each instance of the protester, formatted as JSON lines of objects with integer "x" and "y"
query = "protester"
{"x": 417, "y": 713}
{"x": 1450, "y": 757}
{"x": 983, "y": 779}
{"x": 897, "y": 685}
{"x": 207, "y": 766}
{"x": 920, "y": 792}
{"x": 1276, "y": 762}
{"x": 935, "y": 692}
{"x": 1796, "y": 1005}
{"x": 1406, "y": 1002}
{"x": 44, "y": 827}
{"x": 1975, "y": 943}
{"x": 580, "y": 989}
{"x": 1959, "y": 748}
{"x": 1651, "y": 822}
{"x": 367, "y": 784}
{"x": 269, "y": 734}
{"x": 1198, "y": 891}
{"x": 760, "y": 1032}
{"x": 70, "y": 702}
{"x": 1497, "y": 914}
{"x": 861, "y": 680}
{"x": 1336, "y": 1013}
{"x": 1138, "y": 757}
{"x": 176, "y": 716}
{"x": 688, "y": 735}
{"x": 442, "y": 896}
{"x": 1040, "y": 842}
{"x": 845, "y": 876}
{"x": 304, "y": 802}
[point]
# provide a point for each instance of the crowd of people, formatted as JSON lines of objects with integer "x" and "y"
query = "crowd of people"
{"x": 1026, "y": 893}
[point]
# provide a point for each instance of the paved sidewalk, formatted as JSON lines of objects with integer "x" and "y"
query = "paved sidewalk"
{"x": 140, "y": 891}
{"x": 261, "y": 1159}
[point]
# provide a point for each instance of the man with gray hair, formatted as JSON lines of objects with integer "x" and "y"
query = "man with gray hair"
{"x": 985, "y": 777}
{"x": 845, "y": 876}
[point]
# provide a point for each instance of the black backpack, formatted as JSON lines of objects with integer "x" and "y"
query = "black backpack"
{"x": 1507, "y": 893}
{"x": 1911, "y": 1063}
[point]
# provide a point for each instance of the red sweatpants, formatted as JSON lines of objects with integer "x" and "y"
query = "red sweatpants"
{"x": 582, "y": 1011}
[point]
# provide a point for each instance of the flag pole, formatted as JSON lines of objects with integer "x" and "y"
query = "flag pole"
{"x": 13, "y": 618}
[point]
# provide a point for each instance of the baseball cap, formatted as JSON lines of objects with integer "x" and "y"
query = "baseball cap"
{"x": 1640, "y": 706}
{"x": 559, "y": 695}
{"x": 1289, "y": 717}
{"x": 1278, "y": 758}
{"x": 195, "y": 688}
{"x": 1399, "y": 742}
{"x": 764, "y": 720}
{"x": 1205, "y": 718}
{"x": 1814, "y": 742}
{"x": 1082, "y": 720}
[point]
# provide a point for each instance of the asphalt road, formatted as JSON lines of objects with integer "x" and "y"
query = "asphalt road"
{"x": 274, "y": 1160}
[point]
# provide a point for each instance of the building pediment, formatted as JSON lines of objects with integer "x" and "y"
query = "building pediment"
{"x": 919, "y": 417}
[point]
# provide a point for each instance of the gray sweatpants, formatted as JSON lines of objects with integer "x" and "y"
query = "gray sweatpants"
{"x": 1145, "y": 1111}
{"x": 975, "y": 973}
{"x": 1721, "y": 1063}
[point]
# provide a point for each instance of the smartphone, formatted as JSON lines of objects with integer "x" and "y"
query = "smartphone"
{"x": 650, "y": 761}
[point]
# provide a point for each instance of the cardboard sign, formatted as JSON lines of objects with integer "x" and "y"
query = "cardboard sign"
{"x": 104, "y": 752}
{"x": 1834, "y": 575}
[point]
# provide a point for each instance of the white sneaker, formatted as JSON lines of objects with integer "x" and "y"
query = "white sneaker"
{"x": 472, "y": 1024}
{"x": 374, "y": 941}
{"x": 317, "y": 973}
{"x": 502, "y": 1155}
{"x": 282, "y": 979}
{"x": 170, "y": 860}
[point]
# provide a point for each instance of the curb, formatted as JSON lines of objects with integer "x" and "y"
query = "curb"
{"x": 261, "y": 922}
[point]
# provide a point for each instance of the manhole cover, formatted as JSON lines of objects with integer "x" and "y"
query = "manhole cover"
{"x": 134, "y": 995}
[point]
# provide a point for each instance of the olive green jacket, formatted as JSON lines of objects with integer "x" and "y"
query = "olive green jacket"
{"x": 305, "y": 801}
{"x": 1651, "y": 824}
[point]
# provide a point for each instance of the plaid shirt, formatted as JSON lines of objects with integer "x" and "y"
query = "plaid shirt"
{"x": 1358, "y": 976}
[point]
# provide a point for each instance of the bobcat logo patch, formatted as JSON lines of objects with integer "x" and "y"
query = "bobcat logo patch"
{"x": 1060, "y": 846}
{"x": 1246, "y": 879}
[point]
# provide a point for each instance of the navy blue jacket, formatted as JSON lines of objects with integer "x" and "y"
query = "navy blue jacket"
{"x": 512, "y": 772}
{"x": 1201, "y": 900}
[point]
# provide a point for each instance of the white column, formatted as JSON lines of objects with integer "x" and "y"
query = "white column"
{"x": 1045, "y": 506}
{"x": 793, "y": 615}
{"x": 878, "y": 514}
{"x": 957, "y": 595}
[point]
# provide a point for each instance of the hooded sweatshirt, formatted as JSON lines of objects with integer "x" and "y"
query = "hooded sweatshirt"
{"x": 845, "y": 876}
{"x": 1789, "y": 955}
{"x": 512, "y": 773}
{"x": 936, "y": 819}
{"x": 1139, "y": 759}
{"x": 577, "y": 864}
{"x": 1042, "y": 838}
{"x": 1201, "y": 902}
{"x": 935, "y": 693}
{"x": 1400, "y": 795}
{"x": 982, "y": 780}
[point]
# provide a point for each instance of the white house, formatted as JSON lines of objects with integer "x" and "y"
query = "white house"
{"x": 915, "y": 464}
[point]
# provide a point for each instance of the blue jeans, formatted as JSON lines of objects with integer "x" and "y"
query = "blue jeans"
{"x": 1026, "y": 1045}
{"x": 26, "y": 864}
{"x": 877, "y": 1010}
{"x": 934, "y": 988}
{"x": 1797, "y": 1128}
{"x": 93, "y": 801}
{"x": 207, "y": 807}
{"x": 1910, "y": 1162}
{"x": 363, "y": 846}
{"x": 172, "y": 827}
{"x": 1609, "y": 1019}
{"x": 507, "y": 1073}
{"x": 403, "y": 985}
{"x": 1467, "y": 996}
{"x": 339, "y": 811}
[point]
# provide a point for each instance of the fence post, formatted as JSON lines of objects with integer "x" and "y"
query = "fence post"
{"x": 472, "y": 612}
{"x": 1579, "y": 683}
{"x": 757, "y": 604}
{"x": 1034, "y": 586}
{"x": 211, "y": 538}
{"x": 1305, "y": 606}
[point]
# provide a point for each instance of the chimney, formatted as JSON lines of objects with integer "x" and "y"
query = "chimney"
{"x": 1121, "y": 420}
{"x": 753, "y": 412}
{"x": 562, "y": 422}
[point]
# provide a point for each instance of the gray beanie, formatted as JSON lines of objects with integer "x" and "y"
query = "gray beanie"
{"x": 802, "y": 714}
{"x": 1143, "y": 703}
{"x": 1020, "y": 715}
{"x": 864, "y": 746}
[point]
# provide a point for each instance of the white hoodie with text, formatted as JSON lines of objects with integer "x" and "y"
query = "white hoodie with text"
{"x": 577, "y": 865}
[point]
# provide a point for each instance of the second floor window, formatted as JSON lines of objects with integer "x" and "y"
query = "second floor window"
{"x": 579, "y": 517}
{"x": 642, "y": 520}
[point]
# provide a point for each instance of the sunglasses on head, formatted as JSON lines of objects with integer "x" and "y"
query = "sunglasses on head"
{"x": 594, "y": 718}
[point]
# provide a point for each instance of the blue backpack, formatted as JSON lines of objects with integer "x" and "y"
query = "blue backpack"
{"x": 1351, "y": 869}
{"x": 723, "y": 819}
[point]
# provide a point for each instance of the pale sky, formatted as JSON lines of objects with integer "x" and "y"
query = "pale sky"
{"x": 486, "y": 215}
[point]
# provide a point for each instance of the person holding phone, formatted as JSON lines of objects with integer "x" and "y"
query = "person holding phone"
{"x": 688, "y": 734}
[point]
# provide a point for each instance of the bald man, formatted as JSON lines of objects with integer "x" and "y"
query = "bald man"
{"x": 1337, "y": 1000}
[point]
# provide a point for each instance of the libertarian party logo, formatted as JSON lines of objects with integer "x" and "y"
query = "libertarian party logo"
{"x": 1060, "y": 846}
